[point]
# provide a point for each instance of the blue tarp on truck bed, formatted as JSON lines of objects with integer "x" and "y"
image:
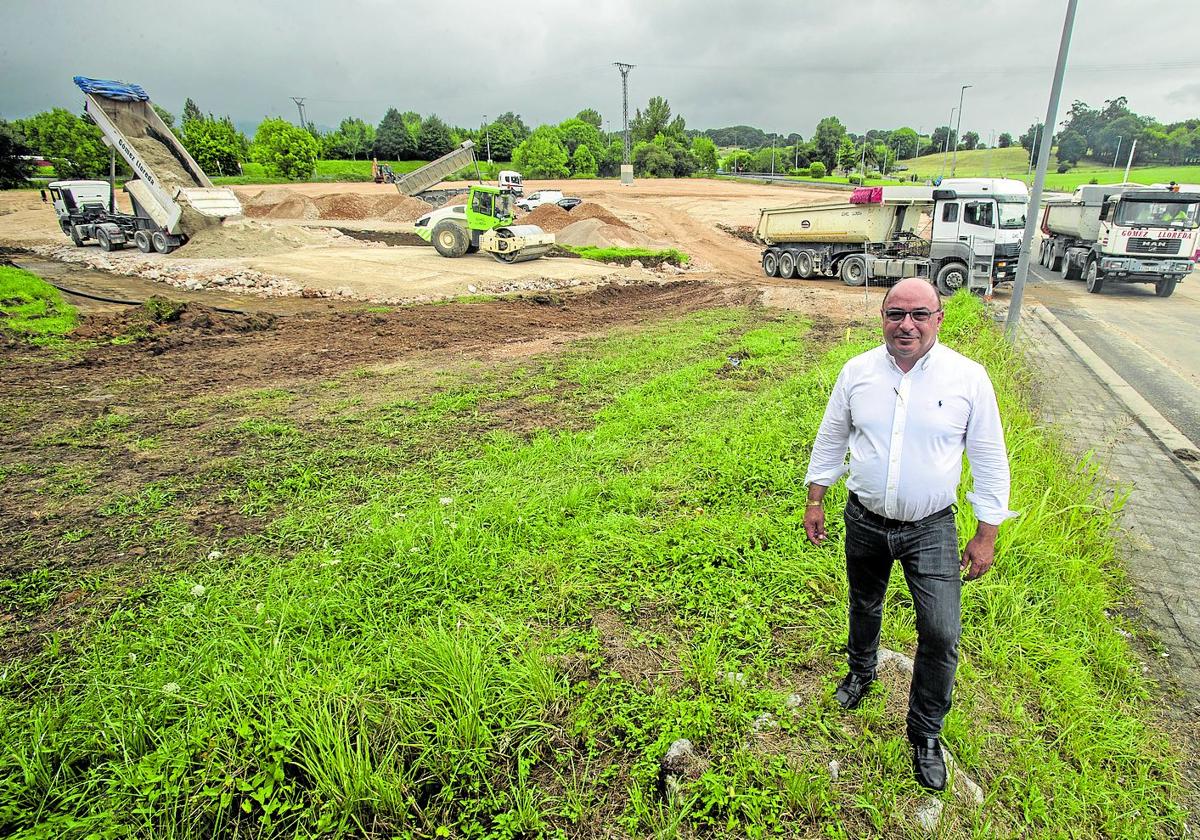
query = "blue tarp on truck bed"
{"x": 113, "y": 90}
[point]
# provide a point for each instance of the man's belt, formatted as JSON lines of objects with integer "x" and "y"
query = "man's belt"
{"x": 883, "y": 522}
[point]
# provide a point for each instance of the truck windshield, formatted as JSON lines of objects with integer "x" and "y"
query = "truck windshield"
{"x": 1012, "y": 214}
{"x": 1178, "y": 214}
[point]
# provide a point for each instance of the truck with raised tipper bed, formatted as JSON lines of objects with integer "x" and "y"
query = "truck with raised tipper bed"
{"x": 963, "y": 233}
{"x": 1123, "y": 233}
{"x": 171, "y": 196}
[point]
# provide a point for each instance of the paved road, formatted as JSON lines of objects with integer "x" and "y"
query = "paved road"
{"x": 1152, "y": 342}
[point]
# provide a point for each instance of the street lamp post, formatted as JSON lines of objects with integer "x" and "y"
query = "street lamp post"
{"x": 487, "y": 130}
{"x": 1117, "y": 152}
{"x": 954, "y": 161}
{"x": 946, "y": 149}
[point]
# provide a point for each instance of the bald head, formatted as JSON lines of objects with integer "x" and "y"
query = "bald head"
{"x": 914, "y": 292}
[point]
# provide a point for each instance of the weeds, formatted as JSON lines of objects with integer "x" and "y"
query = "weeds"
{"x": 446, "y": 628}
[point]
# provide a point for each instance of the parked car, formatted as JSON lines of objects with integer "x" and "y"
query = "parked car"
{"x": 539, "y": 198}
{"x": 569, "y": 203}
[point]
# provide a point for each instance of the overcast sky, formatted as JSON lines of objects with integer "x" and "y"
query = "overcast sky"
{"x": 780, "y": 66}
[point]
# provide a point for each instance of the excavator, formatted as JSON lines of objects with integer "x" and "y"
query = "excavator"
{"x": 484, "y": 223}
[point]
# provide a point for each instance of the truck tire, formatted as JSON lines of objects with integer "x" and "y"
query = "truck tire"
{"x": 449, "y": 239}
{"x": 1072, "y": 271}
{"x": 1053, "y": 261}
{"x": 103, "y": 240}
{"x": 804, "y": 265}
{"x": 1095, "y": 280}
{"x": 787, "y": 265}
{"x": 770, "y": 263}
{"x": 1166, "y": 286}
{"x": 854, "y": 270}
{"x": 142, "y": 240}
{"x": 1044, "y": 256}
{"x": 950, "y": 278}
{"x": 76, "y": 236}
{"x": 160, "y": 242}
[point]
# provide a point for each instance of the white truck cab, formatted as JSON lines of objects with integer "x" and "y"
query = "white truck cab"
{"x": 511, "y": 182}
{"x": 977, "y": 226}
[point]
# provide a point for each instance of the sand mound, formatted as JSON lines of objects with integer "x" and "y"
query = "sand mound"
{"x": 549, "y": 217}
{"x": 246, "y": 238}
{"x": 596, "y": 233}
{"x": 588, "y": 210}
{"x": 287, "y": 204}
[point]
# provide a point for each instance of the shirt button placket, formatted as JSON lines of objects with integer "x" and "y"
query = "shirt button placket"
{"x": 895, "y": 448}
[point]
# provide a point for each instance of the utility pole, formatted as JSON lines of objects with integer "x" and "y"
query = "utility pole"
{"x": 946, "y": 150}
{"x": 299, "y": 100}
{"x": 957, "y": 135}
{"x": 487, "y": 131}
{"x": 1037, "y": 132}
{"x": 1117, "y": 152}
{"x": 772, "y": 155}
{"x": 1128, "y": 163}
{"x": 1039, "y": 180}
{"x": 626, "y": 162}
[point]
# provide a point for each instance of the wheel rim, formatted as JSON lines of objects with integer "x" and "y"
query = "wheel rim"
{"x": 1091, "y": 276}
{"x": 854, "y": 271}
{"x": 447, "y": 239}
{"x": 954, "y": 279}
{"x": 770, "y": 264}
{"x": 804, "y": 265}
{"x": 787, "y": 265}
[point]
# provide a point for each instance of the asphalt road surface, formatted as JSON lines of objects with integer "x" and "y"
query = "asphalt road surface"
{"x": 1152, "y": 342}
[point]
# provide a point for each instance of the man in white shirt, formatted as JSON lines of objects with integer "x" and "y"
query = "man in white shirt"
{"x": 905, "y": 412}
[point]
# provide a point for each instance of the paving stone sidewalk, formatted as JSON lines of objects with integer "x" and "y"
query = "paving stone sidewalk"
{"x": 1161, "y": 550}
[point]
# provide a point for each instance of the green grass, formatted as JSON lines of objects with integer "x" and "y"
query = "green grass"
{"x": 447, "y": 628}
{"x": 627, "y": 255}
{"x": 31, "y": 308}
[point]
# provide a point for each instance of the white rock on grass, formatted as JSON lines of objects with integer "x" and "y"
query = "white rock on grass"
{"x": 929, "y": 814}
{"x": 835, "y": 770}
{"x": 764, "y": 723}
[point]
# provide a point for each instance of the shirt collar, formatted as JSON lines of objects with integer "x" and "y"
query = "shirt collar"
{"x": 921, "y": 364}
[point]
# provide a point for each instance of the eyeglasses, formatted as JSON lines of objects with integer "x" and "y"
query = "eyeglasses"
{"x": 918, "y": 315}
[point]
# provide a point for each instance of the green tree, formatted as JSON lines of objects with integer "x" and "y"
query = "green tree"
{"x": 705, "y": 152}
{"x": 353, "y": 138}
{"x": 434, "y": 140}
{"x": 542, "y": 154}
{"x": 939, "y": 141}
{"x": 167, "y": 117}
{"x": 612, "y": 157}
{"x": 828, "y": 138}
{"x": 590, "y": 116}
{"x": 1005, "y": 140}
{"x": 575, "y": 133}
{"x": 191, "y": 111}
{"x": 738, "y": 160}
{"x": 848, "y": 155}
{"x": 15, "y": 168}
{"x": 393, "y": 141}
{"x": 502, "y": 141}
{"x": 969, "y": 140}
{"x": 816, "y": 169}
{"x": 69, "y": 142}
{"x": 216, "y": 145}
{"x": 656, "y": 120}
{"x": 515, "y": 124}
{"x": 284, "y": 149}
{"x": 653, "y": 160}
{"x": 906, "y": 141}
{"x": 1071, "y": 147}
{"x": 583, "y": 162}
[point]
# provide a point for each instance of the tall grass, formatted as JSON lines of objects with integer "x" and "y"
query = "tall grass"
{"x": 31, "y": 308}
{"x": 449, "y": 629}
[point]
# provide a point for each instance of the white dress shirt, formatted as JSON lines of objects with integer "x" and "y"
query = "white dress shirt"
{"x": 906, "y": 433}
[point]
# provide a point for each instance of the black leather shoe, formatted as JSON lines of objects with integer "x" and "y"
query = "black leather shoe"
{"x": 928, "y": 764}
{"x": 853, "y": 689}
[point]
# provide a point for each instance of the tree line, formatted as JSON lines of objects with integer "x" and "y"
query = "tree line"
{"x": 661, "y": 143}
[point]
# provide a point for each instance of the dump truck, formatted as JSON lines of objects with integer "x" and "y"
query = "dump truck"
{"x": 1122, "y": 233}
{"x": 483, "y": 223}
{"x": 420, "y": 182}
{"x": 171, "y": 196}
{"x": 964, "y": 233}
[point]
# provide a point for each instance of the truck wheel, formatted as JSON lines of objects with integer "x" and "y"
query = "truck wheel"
{"x": 103, "y": 240}
{"x": 1053, "y": 261}
{"x": 950, "y": 278}
{"x": 1044, "y": 255}
{"x": 1166, "y": 286}
{"x": 770, "y": 263}
{"x": 1095, "y": 280}
{"x": 76, "y": 236}
{"x": 787, "y": 265}
{"x": 160, "y": 242}
{"x": 1071, "y": 271}
{"x": 142, "y": 240}
{"x": 450, "y": 239}
{"x": 854, "y": 270}
{"x": 804, "y": 265}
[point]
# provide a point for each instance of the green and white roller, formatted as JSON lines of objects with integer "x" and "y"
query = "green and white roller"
{"x": 484, "y": 223}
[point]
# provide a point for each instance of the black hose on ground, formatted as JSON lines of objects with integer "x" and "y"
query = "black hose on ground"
{"x": 102, "y": 299}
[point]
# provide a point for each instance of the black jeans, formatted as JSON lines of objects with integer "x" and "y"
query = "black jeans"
{"x": 928, "y": 551}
